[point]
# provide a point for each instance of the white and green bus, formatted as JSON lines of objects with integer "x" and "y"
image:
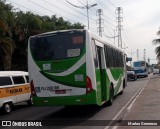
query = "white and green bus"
{"x": 74, "y": 67}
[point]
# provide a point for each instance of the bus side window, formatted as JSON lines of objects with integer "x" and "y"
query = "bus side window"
{"x": 5, "y": 81}
{"x": 116, "y": 57}
{"x": 94, "y": 53}
{"x": 110, "y": 55}
{"x": 106, "y": 56}
{"x": 18, "y": 80}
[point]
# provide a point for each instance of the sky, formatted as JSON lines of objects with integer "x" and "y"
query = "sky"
{"x": 141, "y": 20}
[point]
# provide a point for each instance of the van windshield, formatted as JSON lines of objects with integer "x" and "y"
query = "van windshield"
{"x": 57, "y": 46}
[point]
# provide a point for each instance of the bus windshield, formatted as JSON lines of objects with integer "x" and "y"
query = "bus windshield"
{"x": 139, "y": 64}
{"x": 57, "y": 46}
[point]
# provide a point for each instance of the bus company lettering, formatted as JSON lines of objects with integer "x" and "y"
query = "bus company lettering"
{"x": 12, "y": 91}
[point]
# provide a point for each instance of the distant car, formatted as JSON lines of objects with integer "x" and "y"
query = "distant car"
{"x": 156, "y": 71}
{"x": 131, "y": 75}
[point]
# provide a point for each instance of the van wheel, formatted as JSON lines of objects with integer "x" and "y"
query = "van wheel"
{"x": 7, "y": 107}
{"x": 111, "y": 96}
{"x": 30, "y": 102}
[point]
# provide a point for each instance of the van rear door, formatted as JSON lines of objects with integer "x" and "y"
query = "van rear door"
{"x": 20, "y": 89}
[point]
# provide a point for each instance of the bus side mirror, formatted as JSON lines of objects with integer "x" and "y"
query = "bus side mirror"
{"x": 128, "y": 59}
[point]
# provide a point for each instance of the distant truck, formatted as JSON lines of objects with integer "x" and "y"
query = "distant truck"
{"x": 140, "y": 68}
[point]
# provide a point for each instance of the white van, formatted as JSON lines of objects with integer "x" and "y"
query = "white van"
{"x": 14, "y": 88}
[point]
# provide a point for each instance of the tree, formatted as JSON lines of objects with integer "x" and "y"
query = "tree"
{"x": 6, "y": 43}
{"x": 157, "y": 42}
{"x": 17, "y": 27}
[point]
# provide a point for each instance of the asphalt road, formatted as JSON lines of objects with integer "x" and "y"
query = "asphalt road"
{"x": 76, "y": 117}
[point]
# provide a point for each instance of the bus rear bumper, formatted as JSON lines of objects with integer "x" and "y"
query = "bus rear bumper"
{"x": 86, "y": 99}
{"x": 142, "y": 74}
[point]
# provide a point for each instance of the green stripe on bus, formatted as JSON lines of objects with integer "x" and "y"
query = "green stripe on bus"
{"x": 69, "y": 80}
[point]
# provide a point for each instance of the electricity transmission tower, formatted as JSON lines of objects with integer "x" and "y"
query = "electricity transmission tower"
{"x": 100, "y": 21}
{"x": 119, "y": 27}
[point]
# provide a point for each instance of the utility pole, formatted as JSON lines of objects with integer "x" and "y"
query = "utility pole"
{"x": 131, "y": 57}
{"x": 148, "y": 61}
{"x": 100, "y": 20}
{"x": 144, "y": 55}
{"x": 84, "y": 7}
{"x": 114, "y": 37}
{"x": 137, "y": 54}
{"x": 119, "y": 27}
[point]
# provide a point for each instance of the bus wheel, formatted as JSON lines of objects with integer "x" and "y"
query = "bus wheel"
{"x": 121, "y": 93}
{"x": 111, "y": 96}
{"x": 7, "y": 107}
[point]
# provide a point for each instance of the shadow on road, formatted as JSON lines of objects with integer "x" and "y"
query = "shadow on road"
{"x": 74, "y": 112}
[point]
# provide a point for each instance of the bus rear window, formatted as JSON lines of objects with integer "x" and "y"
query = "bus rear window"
{"x": 139, "y": 64}
{"x": 57, "y": 46}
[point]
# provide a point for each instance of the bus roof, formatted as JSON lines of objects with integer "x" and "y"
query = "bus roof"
{"x": 58, "y": 31}
{"x": 12, "y": 73}
{"x": 104, "y": 41}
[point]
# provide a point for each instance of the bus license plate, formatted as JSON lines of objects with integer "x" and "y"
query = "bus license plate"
{"x": 60, "y": 91}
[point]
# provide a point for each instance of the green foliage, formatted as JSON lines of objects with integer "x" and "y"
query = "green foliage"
{"x": 17, "y": 27}
{"x": 157, "y": 42}
{"x": 6, "y": 43}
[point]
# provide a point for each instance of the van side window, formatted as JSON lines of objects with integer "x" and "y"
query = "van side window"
{"x": 18, "y": 80}
{"x": 27, "y": 79}
{"x": 5, "y": 81}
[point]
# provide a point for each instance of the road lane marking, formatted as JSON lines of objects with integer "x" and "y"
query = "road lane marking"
{"x": 129, "y": 104}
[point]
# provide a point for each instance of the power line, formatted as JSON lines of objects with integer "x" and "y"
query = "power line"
{"x": 25, "y": 7}
{"x": 84, "y": 7}
{"x": 66, "y": 4}
{"x": 112, "y": 4}
{"x": 103, "y": 5}
{"x": 104, "y": 15}
{"x": 50, "y": 10}
{"x": 104, "y": 8}
{"x": 129, "y": 34}
{"x": 69, "y": 6}
{"x": 62, "y": 9}
{"x": 108, "y": 38}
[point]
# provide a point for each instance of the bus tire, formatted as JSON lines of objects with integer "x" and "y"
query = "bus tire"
{"x": 121, "y": 93}
{"x": 111, "y": 96}
{"x": 7, "y": 107}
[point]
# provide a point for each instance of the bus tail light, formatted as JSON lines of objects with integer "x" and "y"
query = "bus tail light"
{"x": 88, "y": 85}
{"x": 33, "y": 92}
